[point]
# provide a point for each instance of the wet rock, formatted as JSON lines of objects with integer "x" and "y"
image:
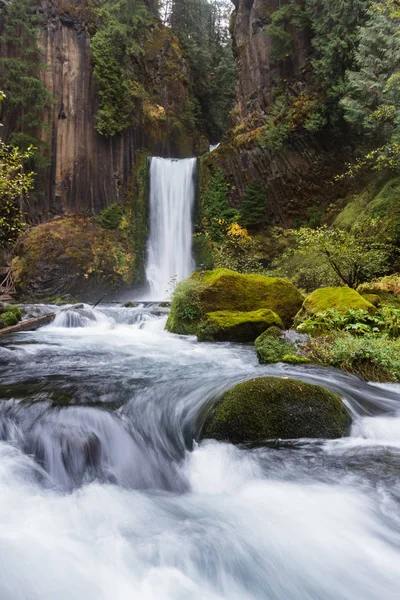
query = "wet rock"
{"x": 270, "y": 408}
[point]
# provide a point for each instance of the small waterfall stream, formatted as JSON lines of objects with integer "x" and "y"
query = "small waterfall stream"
{"x": 172, "y": 196}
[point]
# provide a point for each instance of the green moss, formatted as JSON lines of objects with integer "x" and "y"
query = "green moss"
{"x": 236, "y": 326}
{"x": 295, "y": 359}
{"x": 10, "y": 314}
{"x": 228, "y": 290}
{"x": 69, "y": 255}
{"x": 372, "y": 299}
{"x": 376, "y": 212}
{"x": 270, "y": 348}
{"x": 137, "y": 216}
{"x": 340, "y": 298}
{"x": 270, "y": 408}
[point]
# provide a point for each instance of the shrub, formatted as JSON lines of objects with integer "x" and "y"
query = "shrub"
{"x": 238, "y": 251}
{"x": 111, "y": 217}
{"x": 186, "y": 309}
{"x": 373, "y": 358}
{"x": 351, "y": 256}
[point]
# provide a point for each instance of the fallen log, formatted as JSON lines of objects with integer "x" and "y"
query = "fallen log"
{"x": 29, "y": 325}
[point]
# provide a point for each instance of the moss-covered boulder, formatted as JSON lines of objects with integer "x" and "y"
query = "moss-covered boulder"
{"x": 270, "y": 408}
{"x": 339, "y": 298}
{"x": 224, "y": 290}
{"x": 236, "y": 326}
{"x": 72, "y": 255}
{"x": 270, "y": 348}
{"x": 372, "y": 299}
{"x": 387, "y": 289}
{"x": 228, "y": 290}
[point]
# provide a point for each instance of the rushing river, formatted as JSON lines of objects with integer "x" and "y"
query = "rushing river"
{"x": 105, "y": 494}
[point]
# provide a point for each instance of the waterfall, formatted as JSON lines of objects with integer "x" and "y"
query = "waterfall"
{"x": 169, "y": 251}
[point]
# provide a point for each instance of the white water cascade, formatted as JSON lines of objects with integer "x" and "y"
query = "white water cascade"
{"x": 172, "y": 196}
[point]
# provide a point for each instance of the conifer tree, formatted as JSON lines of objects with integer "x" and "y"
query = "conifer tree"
{"x": 372, "y": 101}
{"x": 252, "y": 210}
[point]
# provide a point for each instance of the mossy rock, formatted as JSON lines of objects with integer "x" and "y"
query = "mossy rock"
{"x": 340, "y": 298}
{"x": 228, "y": 290}
{"x": 373, "y": 299}
{"x": 296, "y": 359}
{"x": 270, "y": 348}
{"x": 72, "y": 256}
{"x": 225, "y": 290}
{"x": 236, "y": 326}
{"x": 270, "y": 408}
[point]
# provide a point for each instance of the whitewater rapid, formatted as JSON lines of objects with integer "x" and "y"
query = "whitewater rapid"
{"x": 107, "y": 493}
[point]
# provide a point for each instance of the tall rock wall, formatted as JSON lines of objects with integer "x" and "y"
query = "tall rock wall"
{"x": 89, "y": 171}
{"x": 299, "y": 174}
{"x": 258, "y": 72}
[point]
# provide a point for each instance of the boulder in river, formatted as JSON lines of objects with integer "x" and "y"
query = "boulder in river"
{"x": 198, "y": 299}
{"x": 237, "y": 326}
{"x": 269, "y": 408}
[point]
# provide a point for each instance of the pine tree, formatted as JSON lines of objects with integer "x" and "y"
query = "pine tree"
{"x": 372, "y": 101}
{"x": 252, "y": 210}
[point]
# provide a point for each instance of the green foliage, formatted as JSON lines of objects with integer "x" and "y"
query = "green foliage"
{"x": 375, "y": 212}
{"x": 373, "y": 358}
{"x": 353, "y": 258}
{"x": 306, "y": 270}
{"x": 15, "y": 186}
{"x": 386, "y": 321}
{"x": 215, "y": 207}
{"x": 117, "y": 50}
{"x": 186, "y": 308}
{"x": 26, "y": 94}
{"x": 202, "y": 29}
{"x": 252, "y": 209}
{"x": 335, "y": 27}
{"x": 237, "y": 251}
{"x": 111, "y": 217}
{"x": 371, "y": 103}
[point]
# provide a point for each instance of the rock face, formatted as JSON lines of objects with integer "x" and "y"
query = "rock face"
{"x": 270, "y": 408}
{"x": 225, "y": 305}
{"x": 88, "y": 171}
{"x": 257, "y": 70}
{"x": 299, "y": 175}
